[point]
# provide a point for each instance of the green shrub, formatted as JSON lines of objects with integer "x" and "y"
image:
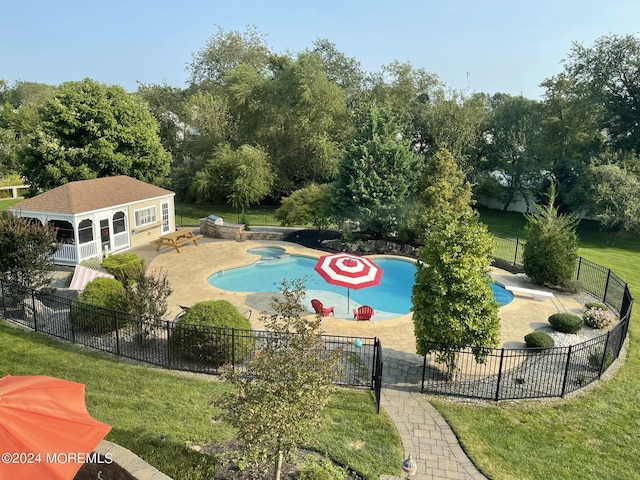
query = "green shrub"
{"x": 572, "y": 286}
{"x": 313, "y": 469}
{"x": 539, "y": 340}
{"x": 124, "y": 266}
{"x": 597, "y": 317}
{"x": 565, "y": 322}
{"x": 204, "y": 334}
{"x": 94, "y": 310}
{"x": 599, "y": 305}
{"x": 595, "y": 359}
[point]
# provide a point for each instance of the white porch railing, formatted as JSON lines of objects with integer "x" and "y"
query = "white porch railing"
{"x": 66, "y": 254}
{"x": 120, "y": 241}
{"x": 71, "y": 254}
{"x": 88, "y": 250}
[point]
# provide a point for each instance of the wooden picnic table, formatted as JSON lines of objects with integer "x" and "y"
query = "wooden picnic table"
{"x": 177, "y": 239}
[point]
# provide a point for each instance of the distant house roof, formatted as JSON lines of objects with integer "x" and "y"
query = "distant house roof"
{"x": 89, "y": 195}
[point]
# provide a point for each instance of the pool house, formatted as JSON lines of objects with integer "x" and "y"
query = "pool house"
{"x": 102, "y": 215}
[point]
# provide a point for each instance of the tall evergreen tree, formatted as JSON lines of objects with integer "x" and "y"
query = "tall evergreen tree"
{"x": 442, "y": 189}
{"x": 453, "y": 305}
{"x": 375, "y": 175}
{"x": 552, "y": 244}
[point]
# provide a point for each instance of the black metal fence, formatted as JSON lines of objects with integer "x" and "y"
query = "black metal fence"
{"x": 537, "y": 373}
{"x": 167, "y": 343}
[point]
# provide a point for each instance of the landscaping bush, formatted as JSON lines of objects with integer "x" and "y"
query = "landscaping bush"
{"x": 539, "y": 340}
{"x": 566, "y": 322}
{"x": 125, "y": 266}
{"x": 94, "y": 309}
{"x": 598, "y": 305}
{"x": 597, "y": 317}
{"x": 596, "y": 359}
{"x": 204, "y": 334}
{"x": 314, "y": 469}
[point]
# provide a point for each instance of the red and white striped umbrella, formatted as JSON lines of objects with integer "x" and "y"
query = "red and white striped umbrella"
{"x": 347, "y": 270}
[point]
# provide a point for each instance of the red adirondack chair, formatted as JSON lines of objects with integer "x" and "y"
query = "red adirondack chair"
{"x": 319, "y": 308}
{"x": 365, "y": 312}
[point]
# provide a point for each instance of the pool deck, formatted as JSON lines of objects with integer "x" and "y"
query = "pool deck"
{"x": 188, "y": 272}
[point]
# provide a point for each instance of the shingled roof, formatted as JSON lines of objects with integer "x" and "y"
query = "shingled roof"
{"x": 89, "y": 195}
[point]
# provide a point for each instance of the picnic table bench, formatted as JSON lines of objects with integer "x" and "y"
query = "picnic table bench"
{"x": 177, "y": 239}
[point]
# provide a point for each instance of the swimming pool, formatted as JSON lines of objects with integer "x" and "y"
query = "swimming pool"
{"x": 392, "y": 295}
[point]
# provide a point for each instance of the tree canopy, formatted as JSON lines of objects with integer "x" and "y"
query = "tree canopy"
{"x": 89, "y": 130}
{"x": 375, "y": 175}
{"x": 306, "y": 110}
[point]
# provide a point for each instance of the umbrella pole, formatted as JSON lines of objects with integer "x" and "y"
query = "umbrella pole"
{"x": 348, "y": 301}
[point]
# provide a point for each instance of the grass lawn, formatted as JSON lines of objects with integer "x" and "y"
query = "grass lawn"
{"x": 142, "y": 403}
{"x": 189, "y": 214}
{"x": 5, "y": 203}
{"x": 594, "y": 436}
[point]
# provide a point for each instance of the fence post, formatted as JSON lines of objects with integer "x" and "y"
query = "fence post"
{"x": 168, "y": 343}
{"x": 515, "y": 254}
{"x": 35, "y": 313}
{"x": 566, "y": 372}
{"x": 604, "y": 355}
{"x": 499, "y": 375}
{"x": 233, "y": 348}
{"x": 579, "y": 266}
{"x": 117, "y": 333}
{"x": 606, "y": 287}
{"x": 4, "y": 301}
{"x": 378, "y": 366}
{"x": 72, "y": 321}
{"x": 424, "y": 370}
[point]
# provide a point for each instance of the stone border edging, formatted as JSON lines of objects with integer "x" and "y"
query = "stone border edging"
{"x": 129, "y": 461}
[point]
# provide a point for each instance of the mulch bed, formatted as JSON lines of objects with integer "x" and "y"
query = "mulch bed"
{"x": 313, "y": 238}
{"x": 229, "y": 470}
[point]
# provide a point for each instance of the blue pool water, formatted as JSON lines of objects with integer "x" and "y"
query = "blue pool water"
{"x": 267, "y": 253}
{"x": 393, "y": 295}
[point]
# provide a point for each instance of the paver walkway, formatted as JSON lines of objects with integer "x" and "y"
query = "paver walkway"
{"x": 424, "y": 433}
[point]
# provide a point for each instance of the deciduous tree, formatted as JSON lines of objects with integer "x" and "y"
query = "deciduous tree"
{"x": 88, "y": 130}
{"x": 27, "y": 251}
{"x": 277, "y": 403}
{"x": 611, "y": 191}
{"x": 226, "y": 50}
{"x": 311, "y": 204}
{"x": 609, "y": 71}
{"x": 513, "y": 147}
{"x": 241, "y": 177}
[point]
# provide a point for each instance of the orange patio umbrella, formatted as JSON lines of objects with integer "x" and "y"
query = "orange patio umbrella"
{"x": 45, "y": 428}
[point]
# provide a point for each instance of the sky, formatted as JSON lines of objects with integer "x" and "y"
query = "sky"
{"x": 490, "y": 46}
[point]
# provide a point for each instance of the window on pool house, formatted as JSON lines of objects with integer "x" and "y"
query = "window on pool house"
{"x": 145, "y": 216}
